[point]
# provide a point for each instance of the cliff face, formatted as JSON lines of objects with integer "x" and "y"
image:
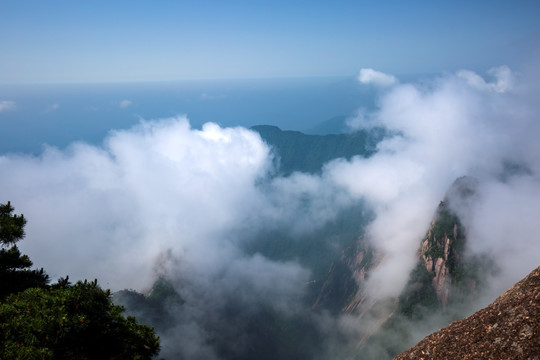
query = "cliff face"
{"x": 441, "y": 253}
{"x": 444, "y": 280}
{"x": 342, "y": 290}
{"x": 444, "y": 275}
{"x": 509, "y": 328}
{"x": 441, "y": 267}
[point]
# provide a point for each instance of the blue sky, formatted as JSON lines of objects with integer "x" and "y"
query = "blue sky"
{"x": 109, "y": 41}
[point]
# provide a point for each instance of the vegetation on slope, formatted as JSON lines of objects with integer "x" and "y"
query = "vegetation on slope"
{"x": 60, "y": 321}
{"x": 15, "y": 272}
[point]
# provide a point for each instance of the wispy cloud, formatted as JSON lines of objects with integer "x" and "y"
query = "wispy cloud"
{"x": 125, "y": 103}
{"x": 7, "y": 105}
{"x": 51, "y": 108}
{"x": 503, "y": 79}
{"x": 206, "y": 96}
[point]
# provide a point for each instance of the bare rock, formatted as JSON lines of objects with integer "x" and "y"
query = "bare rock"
{"x": 509, "y": 328}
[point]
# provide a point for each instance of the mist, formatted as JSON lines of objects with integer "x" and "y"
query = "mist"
{"x": 454, "y": 125}
{"x": 163, "y": 199}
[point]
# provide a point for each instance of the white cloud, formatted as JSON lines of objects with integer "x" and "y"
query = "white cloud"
{"x": 125, "y": 103}
{"x": 160, "y": 185}
{"x": 7, "y": 105}
{"x": 449, "y": 128}
{"x": 377, "y": 78}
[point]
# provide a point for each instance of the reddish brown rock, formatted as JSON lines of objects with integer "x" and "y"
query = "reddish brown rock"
{"x": 509, "y": 328}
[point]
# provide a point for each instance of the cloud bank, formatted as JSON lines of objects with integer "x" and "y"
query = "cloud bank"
{"x": 156, "y": 187}
{"x": 448, "y": 127}
{"x": 165, "y": 199}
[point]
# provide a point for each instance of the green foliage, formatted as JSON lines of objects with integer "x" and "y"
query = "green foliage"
{"x": 447, "y": 224}
{"x": 15, "y": 274}
{"x": 59, "y": 321}
{"x": 435, "y": 251}
{"x": 71, "y": 322}
{"x": 444, "y": 222}
{"x": 11, "y": 226}
{"x": 163, "y": 292}
{"x": 157, "y": 308}
{"x": 11, "y": 259}
{"x": 419, "y": 295}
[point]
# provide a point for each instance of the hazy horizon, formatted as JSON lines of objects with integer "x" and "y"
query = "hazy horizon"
{"x": 58, "y": 115}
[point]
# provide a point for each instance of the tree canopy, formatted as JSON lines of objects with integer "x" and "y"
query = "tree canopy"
{"x": 71, "y": 322}
{"x": 60, "y": 321}
{"x": 15, "y": 272}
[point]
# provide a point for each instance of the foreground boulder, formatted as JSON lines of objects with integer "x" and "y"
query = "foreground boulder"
{"x": 509, "y": 328}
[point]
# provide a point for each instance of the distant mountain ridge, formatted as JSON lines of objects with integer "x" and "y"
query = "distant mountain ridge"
{"x": 335, "y": 125}
{"x": 297, "y": 151}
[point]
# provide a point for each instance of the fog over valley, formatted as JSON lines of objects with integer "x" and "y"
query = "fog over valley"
{"x": 245, "y": 248}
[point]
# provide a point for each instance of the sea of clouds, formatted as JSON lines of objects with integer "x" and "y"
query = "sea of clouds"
{"x": 163, "y": 198}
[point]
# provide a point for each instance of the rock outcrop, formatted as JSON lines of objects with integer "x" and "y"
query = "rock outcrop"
{"x": 442, "y": 283}
{"x": 441, "y": 249}
{"x": 509, "y": 328}
{"x": 444, "y": 275}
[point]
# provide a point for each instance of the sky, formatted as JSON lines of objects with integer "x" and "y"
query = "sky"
{"x": 111, "y": 41}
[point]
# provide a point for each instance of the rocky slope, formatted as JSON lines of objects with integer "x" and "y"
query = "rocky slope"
{"x": 444, "y": 274}
{"x": 509, "y": 328}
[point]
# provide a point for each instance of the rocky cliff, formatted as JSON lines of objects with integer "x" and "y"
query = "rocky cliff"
{"x": 442, "y": 272}
{"x": 437, "y": 262}
{"x": 445, "y": 275}
{"x": 444, "y": 279}
{"x": 509, "y": 328}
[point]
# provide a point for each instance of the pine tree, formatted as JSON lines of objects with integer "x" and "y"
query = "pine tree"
{"x": 15, "y": 272}
{"x": 71, "y": 322}
{"x": 61, "y": 321}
